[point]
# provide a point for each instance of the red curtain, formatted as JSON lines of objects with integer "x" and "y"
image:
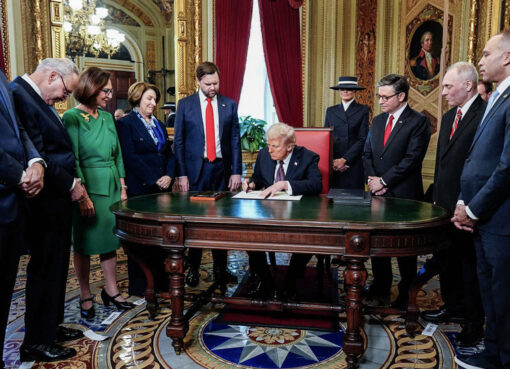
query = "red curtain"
{"x": 282, "y": 49}
{"x": 233, "y": 21}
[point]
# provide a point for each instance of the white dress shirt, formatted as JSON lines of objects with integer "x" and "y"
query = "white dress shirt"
{"x": 203, "y": 105}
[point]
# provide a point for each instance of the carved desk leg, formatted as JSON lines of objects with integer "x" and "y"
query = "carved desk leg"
{"x": 178, "y": 327}
{"x": 355, "y": 277}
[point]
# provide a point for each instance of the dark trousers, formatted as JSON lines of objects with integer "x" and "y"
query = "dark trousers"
{"x": 383, "y": 275}
{"x": 493, "y": 261}
{"x": 259, "y": 267}
{"x": 297, "y": 267}
{"x": 155, "y": 261}
{"x": 49, "y": 247}
{"x": 211, "y": 179}
{"x": 11, "y": 244}
{"x": 458, "y": 278}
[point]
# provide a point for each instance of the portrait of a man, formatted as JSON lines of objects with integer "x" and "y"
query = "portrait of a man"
{"x": 425, "y": 50}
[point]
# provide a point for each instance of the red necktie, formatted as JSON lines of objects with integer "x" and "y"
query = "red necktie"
{"x": 456, "y": 123}
{"x": 209, "y": 128}
{"x": 387, "y": 130}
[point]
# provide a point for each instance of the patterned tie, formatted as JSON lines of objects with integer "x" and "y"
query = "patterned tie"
{"x": 456, "y": 123}
{"x": 387, "y": 130}
{"x": 493, "y": 98}
{"x": 280, "y": 174}
{"x": 209, "y": 128}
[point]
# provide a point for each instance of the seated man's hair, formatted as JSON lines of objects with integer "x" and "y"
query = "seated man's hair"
{"x": 282, "y": 130}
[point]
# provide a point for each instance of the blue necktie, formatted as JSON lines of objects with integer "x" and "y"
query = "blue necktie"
{"x": 493, "y": 98}
{"x": 56, "y": 114}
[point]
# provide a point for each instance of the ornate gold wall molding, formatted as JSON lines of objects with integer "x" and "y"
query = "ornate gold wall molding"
{"x": 36, "y": 32}
{"x": 4, "y": 35}
{"x": 188, "y": 44}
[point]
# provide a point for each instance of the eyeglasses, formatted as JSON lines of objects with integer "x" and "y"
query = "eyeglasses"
{"x": 66, "y": 91}
{"x": 386, "y": 98}
{"x": 107, "y": 91}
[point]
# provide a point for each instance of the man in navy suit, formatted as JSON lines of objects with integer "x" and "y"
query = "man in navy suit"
{"x": 457, "y": 264}
{"x": 484, "y": 206}
{"x": 49, "y": 214}
{"x": 349, "y": 121}
{"x": 393, "y": 155}
{"x": 17, "y": 181}
{"x": 282, "y": 166}
{"x": 207, "y": 146}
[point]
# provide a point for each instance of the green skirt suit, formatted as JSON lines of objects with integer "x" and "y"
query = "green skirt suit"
{"x": 99, "y": 165}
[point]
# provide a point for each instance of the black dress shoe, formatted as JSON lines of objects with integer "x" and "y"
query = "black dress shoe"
{"x": 224, "y": 276}
{"x": 441, "y": 316}
{"x": 470, "y": 335}
{"x": 478, "y": 361}
{"x": 51, "y": 352}
{"x": 264, "y": 292}
{"x": 375, "y": 296}
{"x": 68, "y": 334}
{"x": 192, "y": 278}
{"x": 120, "y": 305}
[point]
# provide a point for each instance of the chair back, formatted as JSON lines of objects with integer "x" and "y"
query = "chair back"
{"x": 320, "y": 141}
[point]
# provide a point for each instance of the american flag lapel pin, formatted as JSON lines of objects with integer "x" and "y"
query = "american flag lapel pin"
{"x": 295, "y": 163}
{"x": 223, "y": 105}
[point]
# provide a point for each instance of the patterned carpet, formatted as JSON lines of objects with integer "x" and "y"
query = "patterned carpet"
{"x": 135, "y": 341}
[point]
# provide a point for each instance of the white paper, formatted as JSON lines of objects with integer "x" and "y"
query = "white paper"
{"x": 255, "y": 195}
{"x": 26, "y": 364}
{"x": 111, "y": 318}
{"x": 94, "y": 336}
{"x": 139, "y": 301}
{"x": 429, "y": 329}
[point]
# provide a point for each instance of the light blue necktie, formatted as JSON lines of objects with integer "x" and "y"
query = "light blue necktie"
{"x": 56, "y": 114}
{"x": 493, "y": 98}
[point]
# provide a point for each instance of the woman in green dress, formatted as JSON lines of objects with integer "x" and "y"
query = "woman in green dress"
{"x": 101, "y": 170}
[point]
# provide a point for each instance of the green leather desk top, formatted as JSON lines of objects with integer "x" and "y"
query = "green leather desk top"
{"x": 383, "y": 211}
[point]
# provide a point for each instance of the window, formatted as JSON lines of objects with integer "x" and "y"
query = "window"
{"x": 256, "y": 99}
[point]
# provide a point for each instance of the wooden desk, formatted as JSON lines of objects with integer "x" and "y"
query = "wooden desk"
{"x": 389, "y": 227}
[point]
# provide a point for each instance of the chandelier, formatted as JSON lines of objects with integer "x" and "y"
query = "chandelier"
{"x": 85, "y": 31}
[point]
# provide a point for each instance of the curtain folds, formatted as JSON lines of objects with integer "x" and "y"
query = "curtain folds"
{"x": 233, "y": 21}
{"x": 282, "y": 49}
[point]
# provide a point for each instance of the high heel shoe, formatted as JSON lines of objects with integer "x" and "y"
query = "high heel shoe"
{"x": 89, "y": 313}
{"x": 120, "y": 305}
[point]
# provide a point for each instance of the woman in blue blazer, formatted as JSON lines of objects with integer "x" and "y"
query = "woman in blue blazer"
{"x": 149, "y": 164}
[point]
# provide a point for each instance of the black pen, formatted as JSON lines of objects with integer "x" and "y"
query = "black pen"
{"x": 269, "y": 194}
{"x": 249, "y": 188}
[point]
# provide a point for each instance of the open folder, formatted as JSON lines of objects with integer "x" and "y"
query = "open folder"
{"x": 255, "y": 195}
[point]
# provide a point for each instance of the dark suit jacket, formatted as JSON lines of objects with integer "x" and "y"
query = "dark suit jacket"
{"x": 143, "y": 162}
{"x": 399, "y": 163}
{"x": 485, "y": 180}
{"x": 15, "y": 150}
{"x": 302, "y": 173}
{"x": 52, "y": 141}
{"x": 451, "y": 154}
{"x": 350, "y": 129}
{"x": 189, "y": 137}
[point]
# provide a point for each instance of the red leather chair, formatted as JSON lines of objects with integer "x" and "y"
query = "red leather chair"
{"x": 320, "y": 141}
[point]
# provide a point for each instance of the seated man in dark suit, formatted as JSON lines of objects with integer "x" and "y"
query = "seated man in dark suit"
{"x": 282, "y": 166}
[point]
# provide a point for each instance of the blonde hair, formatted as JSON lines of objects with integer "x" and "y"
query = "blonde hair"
{"x": 136, "y": 91}
{"x": 282, "y": 130}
